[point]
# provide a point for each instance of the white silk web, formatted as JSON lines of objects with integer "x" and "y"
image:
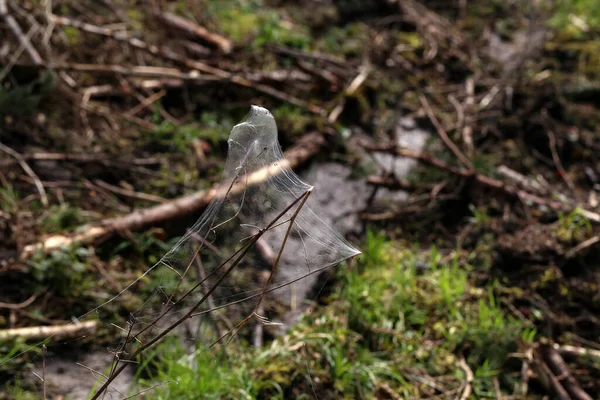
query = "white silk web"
{"x": 262, "y": 207}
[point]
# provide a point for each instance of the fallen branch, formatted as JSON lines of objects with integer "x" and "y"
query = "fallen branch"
{"x": 559, "y": 368}
{"x": 582, "y": 246}
{"x": 16, "y": 29}
{"x": 308, "y": 146}
{"x": 577, "y": 351}
{"x": 442, "y": 132}
{"x": 43, "y": 332}
{"x": 196, "y": 30}
{"x": 523, "y": 181}
{"x": 483, "y": 180}
{"x": 141, "y": 71}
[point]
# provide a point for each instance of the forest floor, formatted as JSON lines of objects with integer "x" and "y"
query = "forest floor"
{"x": 480, "y": 280}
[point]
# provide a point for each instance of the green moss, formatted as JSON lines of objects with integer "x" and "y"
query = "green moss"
{"x": 251, "y": 22}
{"x": 73, "y": 35}
{"x": 347, "y": 41}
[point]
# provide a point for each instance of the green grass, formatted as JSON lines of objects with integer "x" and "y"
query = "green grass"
{"x": 401, "y": 315}
{"x": 576, "y": 17}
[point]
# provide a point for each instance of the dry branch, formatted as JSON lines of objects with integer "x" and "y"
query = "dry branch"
{"x": 196, "y": 30}
{"x": 442, "y": 132}
{"x": 307, "y": 147}
{"x": 141, "y": 71}
{"x": 559, "y": 368}
{"x": 481, "y": 179}
{"x": 16, "y": 29}
{"x": 43, "y": 332}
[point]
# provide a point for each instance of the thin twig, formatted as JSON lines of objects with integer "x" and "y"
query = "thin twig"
{"x": 18, "y": 306}
{"x": 481, "y": 179}
{"x": 21, "y": 37}
{"x": 350, "y": 90}
{"x": 582, "y": 246}
{"x": 557, "y": 162}
{"x": 443, "y": 135}
{"x": 28, "y": 171}
{"x": 44, "y": 372}
{"x": 130, "y": 193}
{"x": 38, "y": 332}
{"x": 468, "y": 379}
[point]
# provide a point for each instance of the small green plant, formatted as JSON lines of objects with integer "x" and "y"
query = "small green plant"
{"x": 8, "y": 199}
{"x": 63, "y": 270}
{"x": 480, "y": 215}
{"x": 573, "y": 227}
{"x": 24, "y": 99}
{"x": 575, "y": 18}
{"x": 211, "y": 373}
{"x": 245, "y": 21}
{"x": 62, "y": 218}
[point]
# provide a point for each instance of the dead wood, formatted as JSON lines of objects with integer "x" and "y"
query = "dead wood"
{"x": 197, "y": 31}
{"x": 306, "y": 148}
{"x": 43, "y": 332}
{"x": 481, "y": 179}
{"x": 562, "y": 373}
{"x": 21, "y": 37}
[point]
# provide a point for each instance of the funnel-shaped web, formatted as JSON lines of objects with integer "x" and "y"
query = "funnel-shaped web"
{"x": 256, "y": 239}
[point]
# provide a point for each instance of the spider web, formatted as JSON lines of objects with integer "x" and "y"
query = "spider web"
{"x": 262, "y": 207}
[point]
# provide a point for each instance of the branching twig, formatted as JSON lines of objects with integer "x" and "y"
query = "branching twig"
{"x": 561, "y": 371}
{"x": 235, "y": 259}
{"x": 445, "y": 138}
{"x": 21, "y": 37}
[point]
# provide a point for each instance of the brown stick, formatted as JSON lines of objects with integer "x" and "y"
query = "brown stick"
{"x": 142, "y": 71}
{"x": 18, "y": 306}
{"x": 43, "y": 332}
{"x": 308, "y": 146}
{"x": 480, "y": 179}
{"x": 445, "y": 138}
{"x": 196, "y": 30}
{"x": 561, "y": 371}
{"x": 16, "y": 29}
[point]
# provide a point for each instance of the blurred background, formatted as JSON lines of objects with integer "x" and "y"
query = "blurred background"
{"x": 454, "y": 142}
